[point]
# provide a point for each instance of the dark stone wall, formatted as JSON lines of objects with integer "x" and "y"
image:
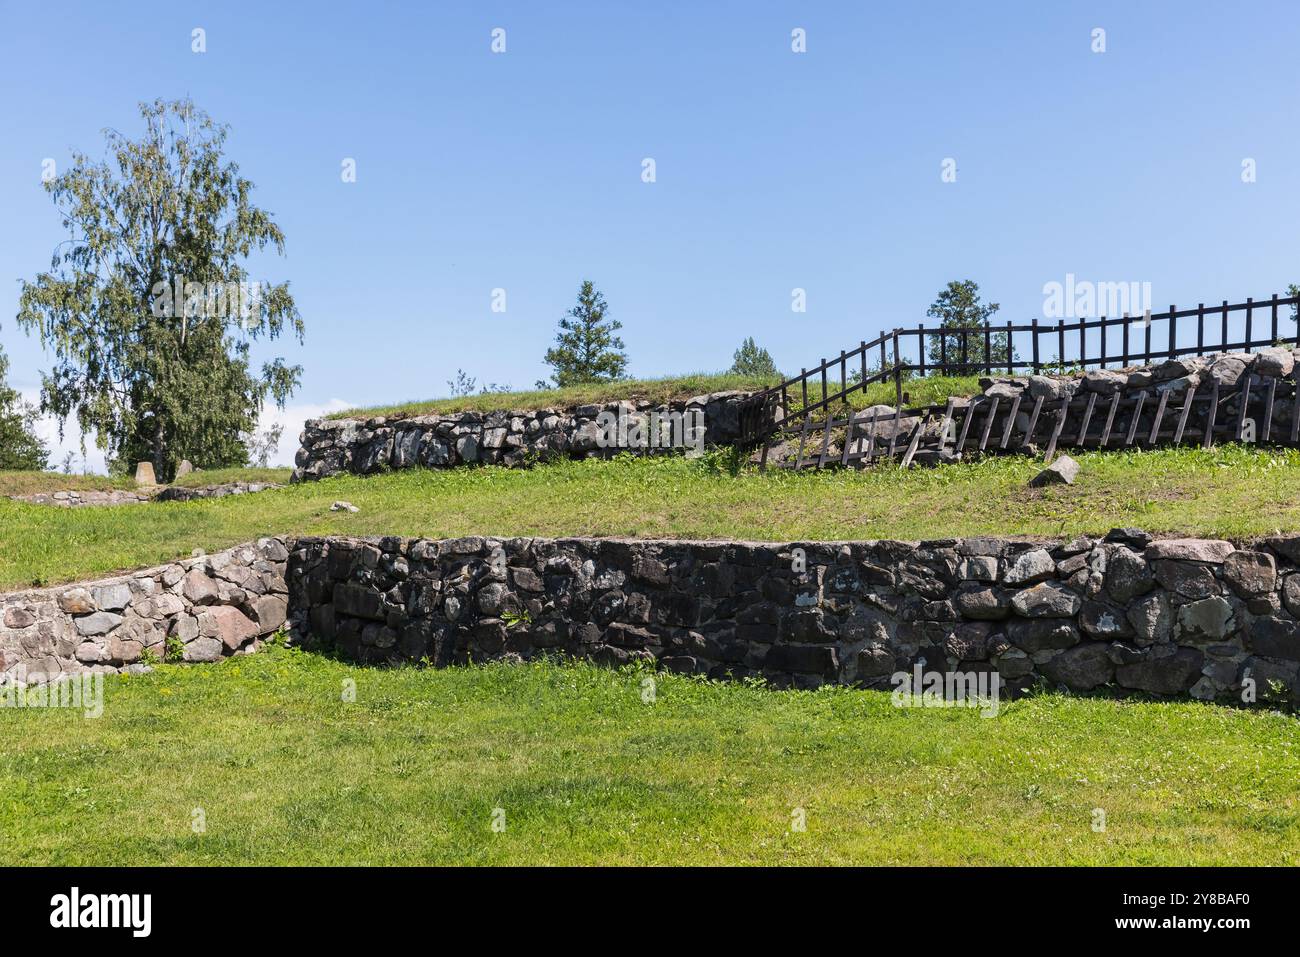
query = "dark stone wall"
{"x": 1173, "y": 617}
{"x": 513, "y": 439}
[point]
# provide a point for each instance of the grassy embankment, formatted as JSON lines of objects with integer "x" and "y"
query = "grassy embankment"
{"x": 928, "y": 391}
{"x": 584, "y": 771}
{"x": 1228, "y": 491}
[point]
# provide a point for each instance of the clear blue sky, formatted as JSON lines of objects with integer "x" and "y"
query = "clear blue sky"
{"x": 775, "y": 170}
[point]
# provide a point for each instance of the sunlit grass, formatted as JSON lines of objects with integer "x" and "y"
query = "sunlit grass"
{"x": 583, "y": 770}
{"x": 1230, "y": 491}
{"x": 653, "y": 390}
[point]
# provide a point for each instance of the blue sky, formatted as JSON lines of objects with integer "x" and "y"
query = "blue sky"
{"x": 774, "y": 170}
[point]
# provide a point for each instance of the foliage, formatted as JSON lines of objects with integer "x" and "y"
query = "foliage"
{"x": 958, "y": 306}
{"x": 262, "y": 445}
{"x": 749, "y": 359}
{"x": 20, "y": 447}
{"x": 651, "y": 390}
{"x": 464, "y": 385}
{"x": 586, "y": 349}
{"x": 148, "y": 307}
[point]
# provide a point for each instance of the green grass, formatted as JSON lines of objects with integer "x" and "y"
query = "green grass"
{"x": 653, "y": 390}
{"x": 1229, "y": 491}
{"x": 223, "y": 476}
{"x": 931, "y": 390}
{"x": 35, "y": 483}
{"x": 286, "y": 772}
{"x": 31, "y": 483}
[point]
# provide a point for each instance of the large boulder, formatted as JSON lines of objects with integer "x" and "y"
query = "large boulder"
{"x": 1250, "y": 573}
{"x": 1063, "y": 471}
{"x": 1172, "y": 674}
{"x": 1190, "y": 549}
{"x": 1030, "y": 568}
{"x": 98, "y": 623}
{"x": 1127, "y": 575}
{"x": 1047, "y": 600}
{"x": 1209, "y": 619}
{"x": 1041, "y": 634}
{"x": 1082, "y": 667}
{"x": 230, "y": 625}
{"x": 1274, "y": 361}
{"x": 1151, "y": 618}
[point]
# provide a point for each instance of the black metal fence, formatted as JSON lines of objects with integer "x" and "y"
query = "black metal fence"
{"x": 1011, "y": 349}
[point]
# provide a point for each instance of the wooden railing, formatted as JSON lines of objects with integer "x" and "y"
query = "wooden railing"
{"x": 991, "y": 349}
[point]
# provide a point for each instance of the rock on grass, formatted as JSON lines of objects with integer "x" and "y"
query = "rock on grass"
{"x": 1061, "y": 472}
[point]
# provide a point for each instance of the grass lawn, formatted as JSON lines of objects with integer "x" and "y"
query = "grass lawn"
{"x": 286, "y": 772}
{"x": 32, "y": 483}
{"x": 654, "y": 390}
{"x": 930, "y": 390}
{"x": 1228, "y": 491}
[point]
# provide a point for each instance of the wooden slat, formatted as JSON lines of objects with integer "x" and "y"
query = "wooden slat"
{"x": 1241, "y": 412}
{"x": 988, "y": 423}
{"x": 965, "y": 425}
{"x": 1033, "y": 422}
{"x": 1182, "y": 416}
{"x": 1295, "y": 414}
{"x": 871, "y": 436}
{"x": 1087, "y": 418}
{"x": 1056, "y": 430}
{"x": 1208, "y": 439}
{"x": 1272, "y": 392}
{"x": 947, "y": 419}
{"x": 826, "y": 441}
{"x": 916, "y": 438}
{"x": 848, "y": 438}
{"x": 803, "y": 437}
{"x": 1160, "y": 414}
{"x": 1110, "y": 420}
{"x": 1137, "y": 414}
{"x": 893, "y": 438}
{"x": 1011, "y": 421}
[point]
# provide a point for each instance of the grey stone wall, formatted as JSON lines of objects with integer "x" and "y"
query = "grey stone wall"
{"x": 1172, "y": 617}
{"x": 1174, "y": 376}
{"x": 214, "y": 606}
{"x": 362, "y": 446}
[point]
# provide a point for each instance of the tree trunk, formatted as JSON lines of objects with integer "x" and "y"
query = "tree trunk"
{"x": 159, "y": 450}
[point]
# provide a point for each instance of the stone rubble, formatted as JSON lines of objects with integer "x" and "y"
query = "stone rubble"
{"x": 170, "y": 493}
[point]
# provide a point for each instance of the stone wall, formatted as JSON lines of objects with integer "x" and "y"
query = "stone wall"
{"x": 514, "y": 439}
{"x": 1174, "y": 376}
{"x": 213, "y": 606}
{"x": 1173, "y": 617}
{"x": 77, "y": 498}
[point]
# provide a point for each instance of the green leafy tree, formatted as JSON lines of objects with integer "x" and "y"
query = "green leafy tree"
{"x": 1294, "y": 290}
{"x": 586, "y": 349}
{"x": 148, "y": 307}
{"x": 20, "y": 448}
{"x": 959, "y": 307}
{"x": 750, "y": 360}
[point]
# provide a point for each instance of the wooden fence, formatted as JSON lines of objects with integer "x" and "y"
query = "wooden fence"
{"x": 788, "y": 409}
